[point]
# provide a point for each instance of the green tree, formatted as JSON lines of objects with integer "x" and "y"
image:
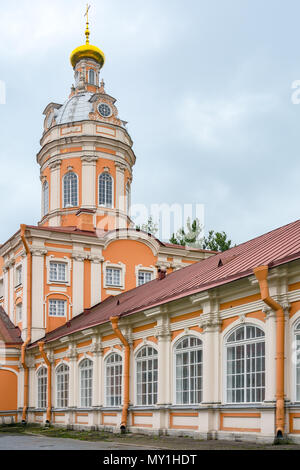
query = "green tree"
{"x": 216, "y": 241}
{"x": 149, "y": 227}
{"x": 189, "y": 236}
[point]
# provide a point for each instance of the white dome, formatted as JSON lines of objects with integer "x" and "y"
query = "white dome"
{"x": 77, "y": 108}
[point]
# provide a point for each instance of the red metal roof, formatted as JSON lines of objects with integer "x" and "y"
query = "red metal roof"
{"x": 273, "y": 248}
{"x": 9, "y": 333}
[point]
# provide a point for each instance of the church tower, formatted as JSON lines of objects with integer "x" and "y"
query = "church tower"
{"x": 86, "y": 155}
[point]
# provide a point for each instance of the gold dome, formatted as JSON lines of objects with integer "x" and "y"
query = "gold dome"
{"x": 87, "y": 51}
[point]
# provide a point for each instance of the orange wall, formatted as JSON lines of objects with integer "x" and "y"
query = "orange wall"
{"x": 8, "y": 391}
{"x": 131, "y": 253}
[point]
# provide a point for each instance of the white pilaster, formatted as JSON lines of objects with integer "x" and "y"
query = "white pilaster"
{"x": 78, "y": 283}
{"x": 55, "y": 185}
{"x": 38, "y": 326}
{"x": 88, "y": 182}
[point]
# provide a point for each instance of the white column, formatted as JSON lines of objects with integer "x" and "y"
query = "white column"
{"x": 210, "y": 362}
{"x": 120, "y": 203}
{"x": 78, "y": 283}
{"x": 38, "y": 327}
{"x": 97, "y": 354}
{"x": 5, "y": 288}
{"x": 72, "y": 355}
{"x": 88, "y": 182}
{"x": 11, "y": 291}
{"x": 95, "y": 279}
{"x": 55, "y": 183}
{"x": 164, "y": 362}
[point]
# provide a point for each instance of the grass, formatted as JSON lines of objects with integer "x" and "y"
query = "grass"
{"x": 59, "y": 432}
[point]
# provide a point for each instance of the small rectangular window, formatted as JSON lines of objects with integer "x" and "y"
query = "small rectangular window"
{"x": 113, "y": 277}
{"x": 57, "y": 272}
{"x": 144, "y": 277}
{"x": 19, "y": 276}
{"x": 19, "y": 313}
{"x": 57, "y": 308}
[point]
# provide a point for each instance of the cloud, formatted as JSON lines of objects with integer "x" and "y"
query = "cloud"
{"x": 215, "y": 124}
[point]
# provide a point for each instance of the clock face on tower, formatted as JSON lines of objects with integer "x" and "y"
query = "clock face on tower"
{"x": 104, "y": 110}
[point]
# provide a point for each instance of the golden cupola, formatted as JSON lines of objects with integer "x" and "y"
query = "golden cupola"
{"x": 87, "y": 51}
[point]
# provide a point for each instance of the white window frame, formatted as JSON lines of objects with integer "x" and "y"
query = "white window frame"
{"x": 296, "y": 359}
{"x": 55, "y": 259}
{"x": 69, "y": 205}
{"x": 42, "y": 397}
{"x": 18, "y": 275}
{"x": 242, "y": 342}
{"x": 106, "y": 387}
{"x": 110, "y": 206}
{"x": 80, "y": 369}
{"x": 140, "y": 360}
{"x": 60, "y": 401}
{"x": 19, "y": 312}
{"x": 188, "y": 350}
{"x": 65, "y": 308}
{"x": 1, "y": 287}
{"x": 121, "y": 267}
{"x": 149, "y": 269}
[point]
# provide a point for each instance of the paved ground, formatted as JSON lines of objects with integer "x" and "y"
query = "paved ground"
{"x": 10, "y": 441}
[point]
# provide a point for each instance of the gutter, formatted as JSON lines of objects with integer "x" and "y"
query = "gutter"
{"x": 29, "y": 322}
{"x": 261, "y": 274}
{"x": 41, "y": 345}
{"x": 114, "y": 323}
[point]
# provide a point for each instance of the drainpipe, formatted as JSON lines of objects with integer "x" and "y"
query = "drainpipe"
{"x": 261, "y": 274}
{"x": 29, "y": 321}
{"x": 49, "y": 381}
{"x": 114, "y": 323}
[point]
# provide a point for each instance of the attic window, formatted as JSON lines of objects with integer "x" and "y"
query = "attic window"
{"x": 220, "y": 263}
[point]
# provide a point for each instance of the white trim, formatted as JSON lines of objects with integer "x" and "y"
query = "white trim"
{"x": 223, "y": 337}
{"x": 149, "y": 269}
{"x": 55, "y": 259}
{"x": 122, "y": 267}
{"x": 179, "y": 338}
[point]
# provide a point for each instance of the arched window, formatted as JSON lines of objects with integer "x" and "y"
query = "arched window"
{"x": 42, "y": 387}
{"x": 92, "y": 77}
{"x": 113, "y": 372}
{"x": 245, "y": 365}
{"x": 86, "y": 383}
{"x": 297, "y": 361}
{"x": 188, "y": 371}
{"x": 105, "y": 190}
{"x": 62, "y": 386}
{"x": 128, "y": 199}
{"x": 70, "y": 190}
{"x": 45, "y": 198}
{"x": 147, "y": 376}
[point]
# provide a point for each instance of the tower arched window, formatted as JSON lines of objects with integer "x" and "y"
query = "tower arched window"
{"x": 105, "y": 190}
{"x": 92, "y": 77}
{"x": 147, "y": 376}
{"x": 62, "y": 386}
{"x": 86, "y": 383}
{"x": 188, "y": 371}
{"x": 70, "y": 184}
{"x": 245, "y": 365}
{"x": 113, "y": 382}
{"x": 42, "y": 378}
{"x": 45, "y": 198}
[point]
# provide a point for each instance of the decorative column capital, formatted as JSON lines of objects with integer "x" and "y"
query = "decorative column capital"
{"x": 89, "y": 160}
{"x": 120, "y": 166}
{"x": 55, "y": 165}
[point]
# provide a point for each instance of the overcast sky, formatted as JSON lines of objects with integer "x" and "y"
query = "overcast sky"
{"x": 205, "y": 85}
